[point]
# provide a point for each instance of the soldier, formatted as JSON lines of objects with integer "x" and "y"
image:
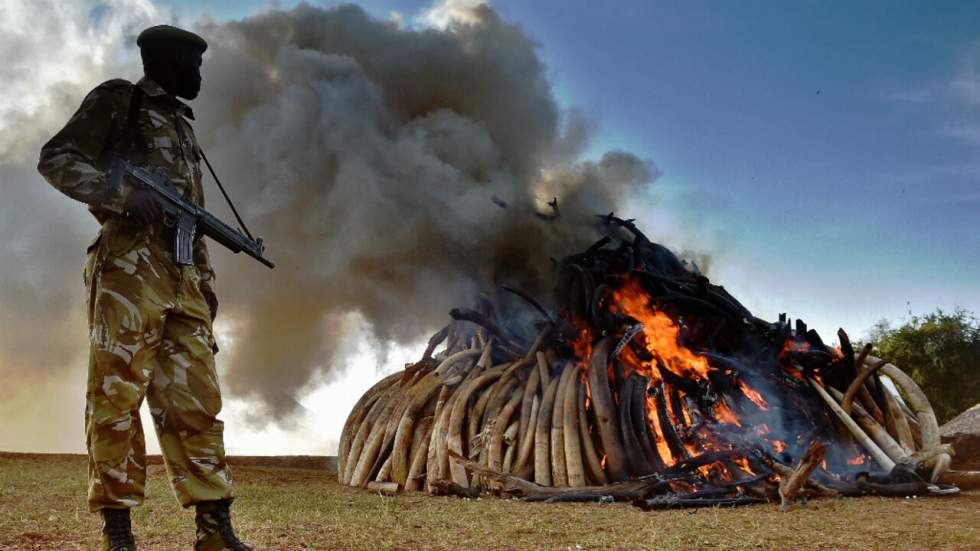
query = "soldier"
{"x": 149, "y": 319}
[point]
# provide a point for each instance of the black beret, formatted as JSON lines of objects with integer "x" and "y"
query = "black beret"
{"x": 168, "y": 33}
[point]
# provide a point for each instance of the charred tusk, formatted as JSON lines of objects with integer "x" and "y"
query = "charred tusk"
{"x": 880, "y": 456}
{"x": 605, "y": 409}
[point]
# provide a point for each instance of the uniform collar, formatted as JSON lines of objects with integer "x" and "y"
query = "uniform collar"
{"x": 154, "y": 90}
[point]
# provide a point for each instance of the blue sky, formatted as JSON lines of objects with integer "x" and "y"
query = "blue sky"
{"x": 826, "y": 153}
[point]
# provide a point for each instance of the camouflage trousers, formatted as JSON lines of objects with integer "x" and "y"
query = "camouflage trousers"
{"x": 150, "y": 335}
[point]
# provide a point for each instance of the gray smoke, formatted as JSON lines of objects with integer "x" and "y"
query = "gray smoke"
{"x": 375, "y": 161}
{"x": 372, "y": 158}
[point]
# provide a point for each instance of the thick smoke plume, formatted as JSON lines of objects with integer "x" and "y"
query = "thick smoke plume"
{"x": 394, "y": 173}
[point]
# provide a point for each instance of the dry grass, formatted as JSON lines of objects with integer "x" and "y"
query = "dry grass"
{"x": 42, "y": 506}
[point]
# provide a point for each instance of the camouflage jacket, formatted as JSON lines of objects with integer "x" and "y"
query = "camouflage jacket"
{"x": 74, "y": 161}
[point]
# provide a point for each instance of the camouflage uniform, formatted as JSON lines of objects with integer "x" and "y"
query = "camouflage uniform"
{"x": 149, "y": 323}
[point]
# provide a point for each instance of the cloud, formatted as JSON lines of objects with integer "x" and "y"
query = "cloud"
{"x": 956, "y": 100}
{"x": 965, "y": 86}
{"x": 54, "y": 53}
{"x": 441, "y": 14}
{"x": 917, "y": 95}
{"x": 963, "y": 130}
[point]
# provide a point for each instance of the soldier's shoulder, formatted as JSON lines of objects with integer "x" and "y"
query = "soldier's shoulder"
{"x": 112, "y": 89}
{"x": 115, "y": 83}
{"x": 114, "y": 86}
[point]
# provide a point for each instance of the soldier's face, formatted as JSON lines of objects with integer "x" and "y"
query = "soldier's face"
{"x": 189, "y": 77}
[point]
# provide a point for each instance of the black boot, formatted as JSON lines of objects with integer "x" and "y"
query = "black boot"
{"x": 214, "y": 531}
{"x": 117, "y": 532}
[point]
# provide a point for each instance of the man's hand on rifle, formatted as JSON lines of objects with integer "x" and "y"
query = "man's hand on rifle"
{"x": 143, "y": 206}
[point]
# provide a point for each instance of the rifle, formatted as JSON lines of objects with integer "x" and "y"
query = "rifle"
{"x": 185, "y": 217}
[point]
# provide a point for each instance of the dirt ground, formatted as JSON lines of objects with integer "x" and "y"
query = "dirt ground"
{"x": 42, "y": 506}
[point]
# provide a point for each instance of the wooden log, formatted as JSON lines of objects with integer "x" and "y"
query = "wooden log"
{"x": 574, "y": 467}
{"x": 592, "y": 462}
{"x": 559, "y": 473}
{"x": 967, "y": 480}
{"x": 605, "y": 410}
{"x": 791, "y": 486}
{"x": 519, "y": 487}
{"x": 542, "y": 436}
{"x": 448, "y": 488}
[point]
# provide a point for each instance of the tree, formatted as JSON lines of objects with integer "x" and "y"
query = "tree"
{"x": 941, "y": 351}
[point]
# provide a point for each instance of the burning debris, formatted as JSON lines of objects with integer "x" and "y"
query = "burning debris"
{"x": 646, "y": 383}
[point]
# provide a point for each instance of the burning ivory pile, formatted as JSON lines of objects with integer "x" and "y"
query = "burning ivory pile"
{"x": 643, "y": 382}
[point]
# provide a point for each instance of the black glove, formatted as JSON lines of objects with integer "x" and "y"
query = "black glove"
{"x": 212, "y": 300}
{"x": 143, "y": 206}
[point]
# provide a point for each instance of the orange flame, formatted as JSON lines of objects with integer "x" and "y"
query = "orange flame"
{"x": 662, "y": 448}
{"x": 753, "y": 395}
{"x": 744, "y": 463}
{"x": 725, "y": 415}
{"x": 583, "y": 344}
{"x": 792, "y": 345}
{"x": 660, "y": 333}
